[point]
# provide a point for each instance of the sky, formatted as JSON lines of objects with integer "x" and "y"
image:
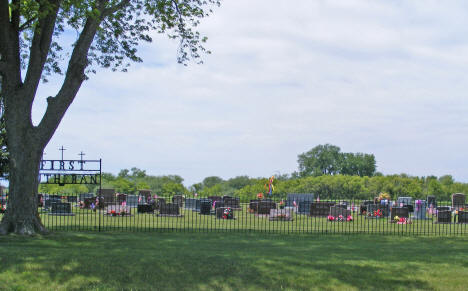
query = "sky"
{"x": 383, "y": 77}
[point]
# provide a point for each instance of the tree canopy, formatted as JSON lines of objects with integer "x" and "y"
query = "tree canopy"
{"x": 73, "y": 38}
{"x": 329, "y": 160}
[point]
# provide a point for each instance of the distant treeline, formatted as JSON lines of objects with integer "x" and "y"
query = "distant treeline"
{"x": 325, "y": 186}
{"x": 324, "y": 171}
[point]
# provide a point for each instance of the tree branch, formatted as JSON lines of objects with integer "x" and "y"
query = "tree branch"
{"x": 40, "y": 46}
{"x": 27, "y": 24}
{"x": 58, "y": 105}
{"x": 108, "y": 11}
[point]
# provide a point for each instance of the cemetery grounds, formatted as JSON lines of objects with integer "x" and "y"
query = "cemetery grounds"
{"x": 245, "y": 220}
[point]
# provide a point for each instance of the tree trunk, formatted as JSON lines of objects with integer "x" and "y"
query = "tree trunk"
{"x": 22, "y": 216}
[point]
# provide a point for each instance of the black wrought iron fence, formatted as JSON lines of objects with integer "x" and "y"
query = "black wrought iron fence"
{"x": 296, "y": 214}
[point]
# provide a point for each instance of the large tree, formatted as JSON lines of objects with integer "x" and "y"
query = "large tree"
{"x": 32, "y": 46}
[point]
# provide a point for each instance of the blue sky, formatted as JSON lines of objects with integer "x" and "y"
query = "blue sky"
{"x": 381, "y": 77}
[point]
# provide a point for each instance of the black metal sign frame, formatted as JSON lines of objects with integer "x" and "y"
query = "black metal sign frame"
{"x": 65, "y": 172}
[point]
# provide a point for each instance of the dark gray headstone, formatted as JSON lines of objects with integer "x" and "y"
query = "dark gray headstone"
{"x": 304, "y": 207}
{"x": 401, "y": 212}
{"x": 458, "y": 200}
{"x": 462, "y": 216}
{"x": 72, "y": 199}
{"x": 320, "y": 208}
{"x": 169, "y": 209}
{"x": 59, "y": 208}
{"x": 205, "y": 206}
{"x": 232, "y": 202}
{"x": 298, "y": 197}
{"x": 444, "y": 216}
{"x": 178, "y": 199}
{"x": 82, "y": 197}
{"x": 336, "y": 211}
{"x": 265, "y": 206}
{"x": 145, "y": 208}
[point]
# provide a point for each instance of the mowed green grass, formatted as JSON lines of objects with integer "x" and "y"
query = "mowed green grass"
{"x": 244, "y": 222}
{"x": 231, "y": 261}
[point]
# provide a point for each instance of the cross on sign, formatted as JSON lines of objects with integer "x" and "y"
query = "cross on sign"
{"x": 62, "y": 149}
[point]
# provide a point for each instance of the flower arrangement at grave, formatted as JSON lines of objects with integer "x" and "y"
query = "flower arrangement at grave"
{"x": 260, "y": 196}
{"x": 339, "y": 218}
{"x": 228, "y": 213}
{"x": 112, "y": 213}
{"x": 281, "y": 204}
{"x": 123, "y": 212}
{"x": 2, "y": 208}
{"x": 401, "y": 220}
{"x": 376, "y": 213}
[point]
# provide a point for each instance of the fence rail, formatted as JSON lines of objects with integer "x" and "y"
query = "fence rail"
{"x": 275, "y": 216}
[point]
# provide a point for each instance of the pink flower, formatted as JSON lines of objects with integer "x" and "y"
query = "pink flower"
{"x": 331, "y": 218}
{"x": 349, "y": 218}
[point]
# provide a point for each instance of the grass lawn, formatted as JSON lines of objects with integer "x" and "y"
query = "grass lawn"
{"x": 231, "y": 261}
{"x": 190, "y": 220}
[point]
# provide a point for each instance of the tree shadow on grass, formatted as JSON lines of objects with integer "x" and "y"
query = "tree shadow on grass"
{"x": 223, "y": 261}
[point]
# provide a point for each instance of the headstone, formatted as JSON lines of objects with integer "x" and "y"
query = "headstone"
{"x": 121, "y": 198}
{"x": 218, "y": 204}
{"x": 62, "y": 209}
{"x": 281, "y": 214}
{"x": 462, "y": 216}
{"x": 55, "y": 197}
{"x": 444, "y": 216}
{"x": 304, "y": 207}
{"x": 160, "y": 202}
{"x": 145, "y": 208}
{"x": 232, "y": 202}
{"x": 169, "y": 209}
{"x": 191, "y": 203}
{"x": 178, "y": 199}
{"x": 107, "y": 194}
{"x": 420, "y": 209}
{"x": 320, "y": 208}
{"x": 72, "y": 199}
{"x": 205, "y": 206}
{"x": 215, "y": 198}
{"x": 431, "y": 200}
{"x": 82, "y": 197}
{"x": 253, "y": 205}
{"x": 265, "y": 206}
{"x": 298, "y": 197}
{"x": 405, "y": 202}
{"x": 48, "y": 203}
{"x": 363, "y": 207}
{"x": 336, "y": 211}
{"x": 132, "y": 200}
{"x": 458, "y": 201}
{"x": 401, "y": 212}
{"x": 145, "y": 193}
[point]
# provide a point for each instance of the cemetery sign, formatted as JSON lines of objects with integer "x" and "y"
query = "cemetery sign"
{"x": 63, "y": 172}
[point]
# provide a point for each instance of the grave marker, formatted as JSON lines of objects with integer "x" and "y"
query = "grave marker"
{"x": 61, "y": 209}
